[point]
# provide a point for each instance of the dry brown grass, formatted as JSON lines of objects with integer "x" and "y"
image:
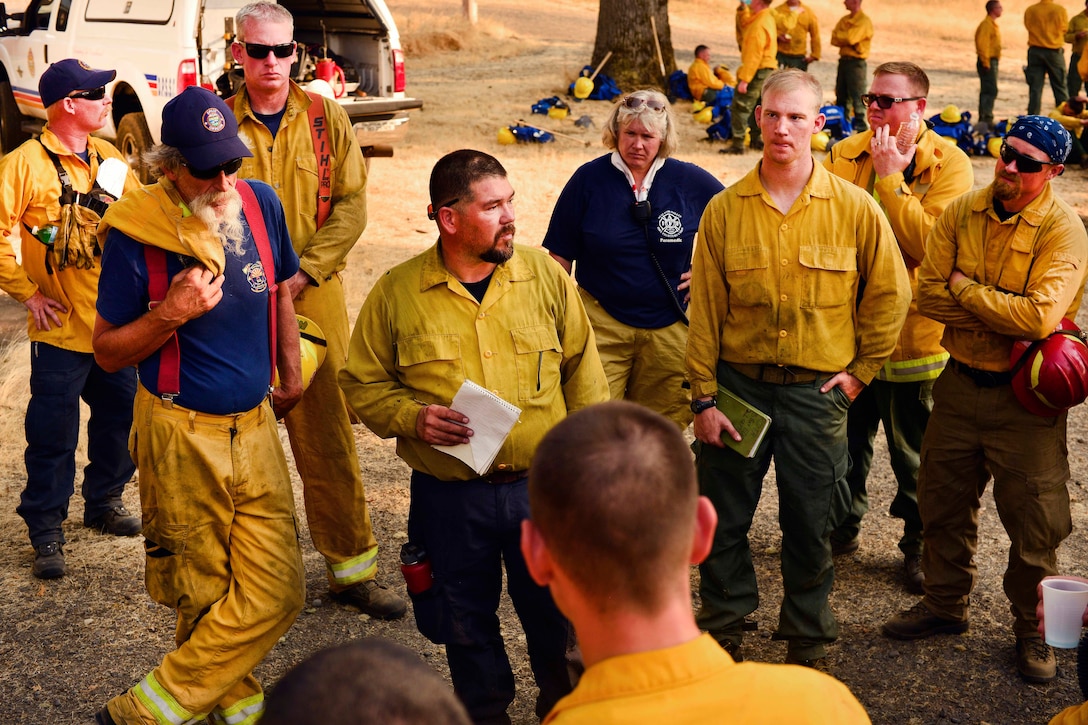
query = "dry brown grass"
{"x": 14, "y": 395}
{"x": 427, "y": 34}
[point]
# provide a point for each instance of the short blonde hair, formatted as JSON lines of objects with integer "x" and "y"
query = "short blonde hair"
{"x": 659, "y": 122}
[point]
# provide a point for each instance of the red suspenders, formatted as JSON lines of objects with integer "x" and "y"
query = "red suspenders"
{"x": 158, "y": 283}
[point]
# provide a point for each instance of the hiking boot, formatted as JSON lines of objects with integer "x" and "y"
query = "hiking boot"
{"x": 103, "y": 717}
{"x": 815, "y": 663}
{"x": 842, "y": 547}
{"x": 736, "y": 146}
{"x": 912, "y": 568}
{"x": 116, "y": 522}
{"x": 918, "y": 622}
{"x": 372, "y": 598}
{"x": 48, "y": 560}
{"x": 1035, "y": 660}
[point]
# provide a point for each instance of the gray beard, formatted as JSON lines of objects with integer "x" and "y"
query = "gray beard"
{"x": 227, "y": 224}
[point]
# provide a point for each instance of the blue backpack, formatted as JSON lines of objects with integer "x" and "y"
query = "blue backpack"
{"x": 678, "y": 86}
{"x": 529, "y": 133}
{"x": 962, "y": 132}
{"x": 836, "y": 123}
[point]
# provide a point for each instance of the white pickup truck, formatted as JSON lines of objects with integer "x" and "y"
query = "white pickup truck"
{"x": 160, "y": 47}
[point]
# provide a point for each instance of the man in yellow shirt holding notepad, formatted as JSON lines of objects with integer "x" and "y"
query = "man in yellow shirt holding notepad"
{"x": 798, "y": 295}
{"x": 475, "y": 308}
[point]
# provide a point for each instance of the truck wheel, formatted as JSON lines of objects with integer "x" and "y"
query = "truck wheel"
{"x": 133, "y": 138}
{"x": 11, "y": 121}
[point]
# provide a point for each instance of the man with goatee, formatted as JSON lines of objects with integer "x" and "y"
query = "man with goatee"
{"x": 192, "y": 294}
{"x": 1002, "y": 264}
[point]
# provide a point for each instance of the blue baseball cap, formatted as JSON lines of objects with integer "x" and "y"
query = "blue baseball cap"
{"x": 65, "y": 76}
{"x": 198, "y": 124}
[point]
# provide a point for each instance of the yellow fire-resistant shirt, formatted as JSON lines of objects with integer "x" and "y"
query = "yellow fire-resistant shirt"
{"x": 700, "y": 77}
{"x": 799, "y": 23}
{"x": 29, "y": 194}
{"x": 1064, "y": 115}
{"x": 1046, "y": 22}
{"x": 1072, "y": 715}
{"x": 759, "y": 47}
{"x": 988, "y": 41}
{"x": 783, "y": 289}
{"x": 853, "y": 35}
{"x": 289, "y": 165}
{"x": 1024, "y": 275}
{"x": 940, "y": 173}
{"x": 1077, "y": 24}
{"x": 697, "y": 683}
{"x": 420, "y": 335}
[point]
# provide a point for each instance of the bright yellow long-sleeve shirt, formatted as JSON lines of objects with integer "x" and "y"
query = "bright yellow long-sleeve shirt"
{"x": 941, "y": 172}
{"x": 1077, "y": 24}
{"x": 782, "y": 289}
{"x": 1046, "y": 22}
{"x": 288, "y": 163}
{"x": 697, "y": 683}
{"x": 1023, "y": 275}
{"x": 700, "y": 77}
{"x": 759, "y": 48}
{"x": 30, "y": 194}
{"x": 987, "y": 41}
{"x": 1073, "y": 715}
{"x": 801, "y": 25}
{"x": 853, "y": 35}
{"x": 1070, "y": 121}
{"x": 420, "y": 335}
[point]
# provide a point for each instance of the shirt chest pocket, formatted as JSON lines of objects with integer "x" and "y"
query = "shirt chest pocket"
{"x": 431, "y": 362}
{"x": 537, "y": 357}
{"x": 306, "y": 184}
{"x": 1016, "y": 266}
{"x": 746, "y": 277}
{"x": 829, "y": 275}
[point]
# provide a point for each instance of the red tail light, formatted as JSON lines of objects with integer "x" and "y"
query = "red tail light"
{"x": 187, "y": 75}
{"x": 398, "y": 71}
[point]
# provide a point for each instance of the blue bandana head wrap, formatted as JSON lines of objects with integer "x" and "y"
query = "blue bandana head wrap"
{"x": 1045, "y": 134}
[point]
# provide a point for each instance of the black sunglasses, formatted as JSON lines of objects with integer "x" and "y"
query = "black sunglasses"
{"x": 432, "y": 212}
{"x": 635, "y": 103}
{"x": 885, "y": 102}
{"x": 95, "y": 94}
{"x": 1024, "y": 164}
{"x": 260, "y": 52}
{"x": 228, "y": 168}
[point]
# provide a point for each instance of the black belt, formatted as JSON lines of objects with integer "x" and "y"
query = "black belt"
{"x": 503, "y": 477}
{"x": 981, "y": 378}
{"x": 778, "y": 374}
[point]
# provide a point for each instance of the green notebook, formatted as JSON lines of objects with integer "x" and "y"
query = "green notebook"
{"x": 750, "y": 422}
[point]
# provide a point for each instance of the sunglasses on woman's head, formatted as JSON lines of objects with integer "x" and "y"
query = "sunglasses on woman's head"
{"x": 1024, "y": 164}
{"x": 885, "y": 102}
{"x": 228, "y": 168}
{"x": 258, "y": 51}
{"x": 635, "y": 103}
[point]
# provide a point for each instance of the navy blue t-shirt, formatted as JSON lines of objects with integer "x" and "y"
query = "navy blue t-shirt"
{"x": 225, "y": 365}
{"x": 594, "y": 225}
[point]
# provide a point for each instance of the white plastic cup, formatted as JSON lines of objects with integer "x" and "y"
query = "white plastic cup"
{"x": 1064, "y": 602}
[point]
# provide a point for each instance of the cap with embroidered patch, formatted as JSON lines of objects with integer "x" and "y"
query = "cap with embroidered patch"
{"x": 198, "y": 124}
{"x": 66, "y": 76}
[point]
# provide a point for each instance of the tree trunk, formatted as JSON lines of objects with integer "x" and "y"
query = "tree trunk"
{"x": 468, "y": 7}
{"x": 623, "y": 27}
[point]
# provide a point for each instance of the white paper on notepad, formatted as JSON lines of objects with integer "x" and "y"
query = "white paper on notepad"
{"x": 491, "y": 419}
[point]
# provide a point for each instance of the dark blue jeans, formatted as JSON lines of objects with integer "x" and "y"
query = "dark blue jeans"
{"x": 469, "y": 529}
{"x": 58, "y": 379}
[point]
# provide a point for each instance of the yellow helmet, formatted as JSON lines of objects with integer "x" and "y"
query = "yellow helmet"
{"x": 557, "y": 112}
{"x": 951, "y": 114}
{"x": 993, "y": 146}
{"x": 697, "y": 106}
{"x": 820, "y": 141}
{"x": 312, "y": 347}
{"x": 706, "y": 115}
{"x": 583, "y": 87}
{"x": 506, "y": 136}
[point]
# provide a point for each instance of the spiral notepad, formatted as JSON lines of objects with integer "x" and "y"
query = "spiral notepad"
{"x": 491, "y": 419}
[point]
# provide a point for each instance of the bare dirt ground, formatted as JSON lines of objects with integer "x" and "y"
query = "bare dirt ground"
{"x": 69, "y": 645}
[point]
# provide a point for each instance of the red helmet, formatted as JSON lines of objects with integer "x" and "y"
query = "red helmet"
{"x": 1051, "y": 375}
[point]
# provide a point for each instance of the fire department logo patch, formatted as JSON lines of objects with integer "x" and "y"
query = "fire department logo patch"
{"x": 670, "y": 226}
{"x": 213, "y": 120}
{"x": 254, "y": 272}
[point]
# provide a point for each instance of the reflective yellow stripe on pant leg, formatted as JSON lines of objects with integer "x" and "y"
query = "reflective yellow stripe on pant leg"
{"x": 161, "y": 704}
{"x": 244, "y": 712}
{"x": 355, "y": 570}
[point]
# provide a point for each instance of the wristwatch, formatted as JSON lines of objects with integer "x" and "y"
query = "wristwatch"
{"x": 698, "y": 406}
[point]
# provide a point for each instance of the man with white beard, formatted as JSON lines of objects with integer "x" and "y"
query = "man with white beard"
{"x": 191, "y": 293}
